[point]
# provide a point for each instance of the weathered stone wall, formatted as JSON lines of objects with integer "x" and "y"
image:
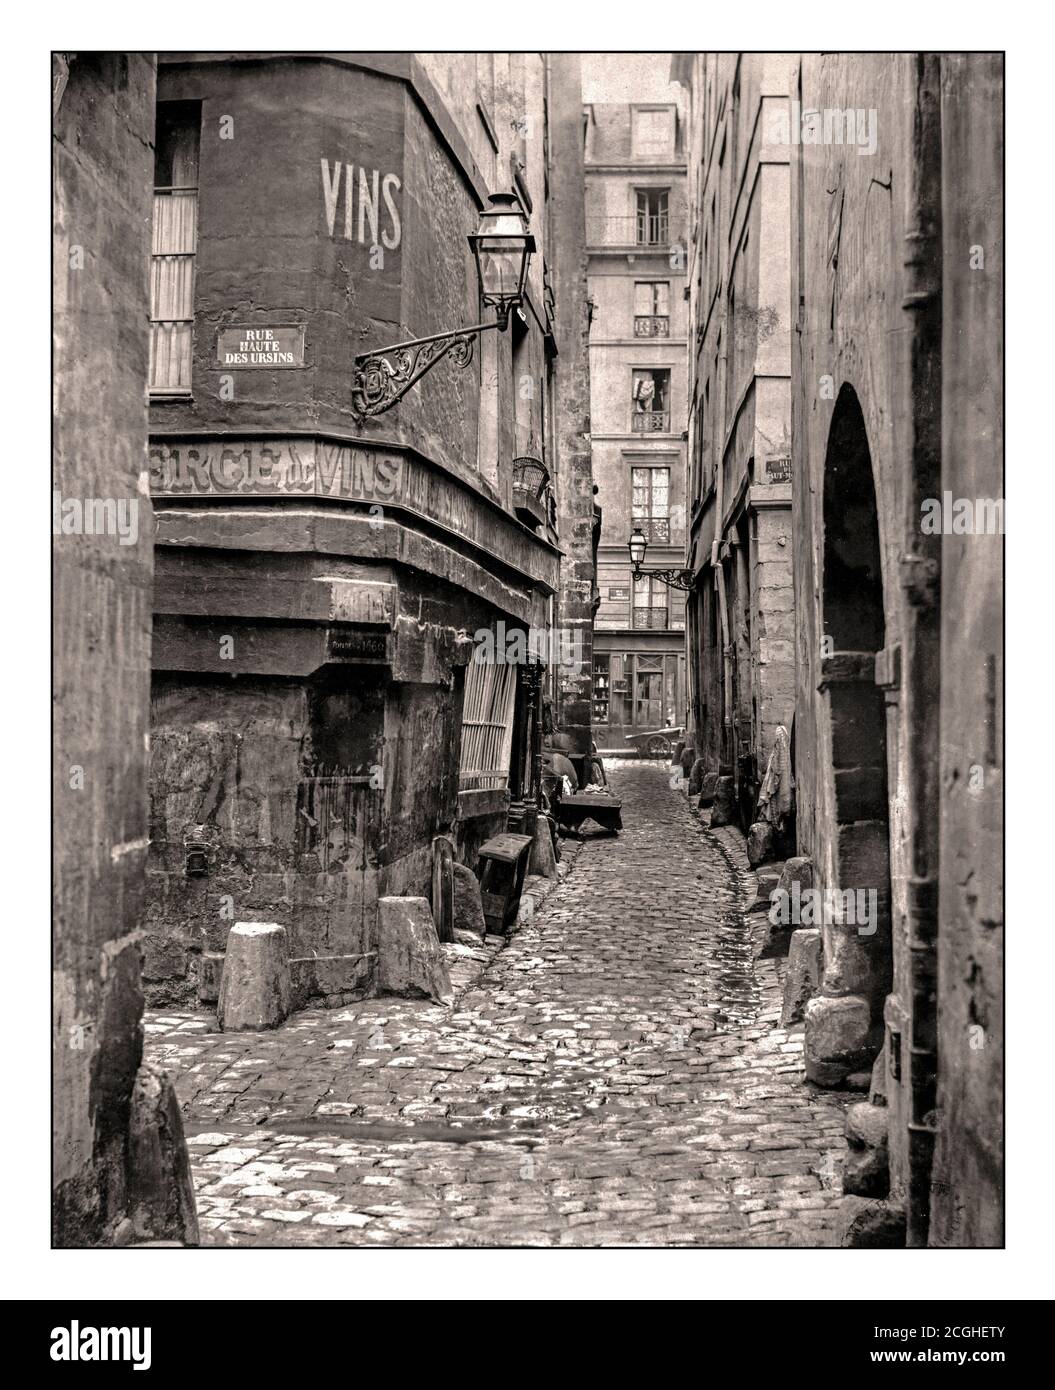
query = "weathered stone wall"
{"x": 102, "y": 148}
{"x": 849, "y": 221}
{"x": 259, "y": 774}
{"x": 313, "y": 794}
{"x": 572, "y": 396}
{"x": 969, "y": 1153}
{"x": 773, "y": 628}
{"x": 894, "y": 310}
{"x": 865, "y": 348}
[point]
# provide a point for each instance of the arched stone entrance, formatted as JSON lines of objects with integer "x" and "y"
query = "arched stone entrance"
{"x": 844, "y": 1022}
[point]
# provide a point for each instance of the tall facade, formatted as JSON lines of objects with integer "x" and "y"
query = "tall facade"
{"x": 105, "y": 1109}
{"x": 897, "y": 271}
{"x": 636, "y": 248}
{"x": 740, "y": 613}
{"x": 323, "y": 573}
{"x": 866, "y": 191}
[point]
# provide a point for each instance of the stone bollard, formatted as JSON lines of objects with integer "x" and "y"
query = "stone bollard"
{"x": 724, "y": 810}
{"x": 543, "y": 861}
{"x": 839, "y": 1038}
{"x": 803, "y": 977}
{"x": 409, "y": 959}
{"x": 255, "y": 989}
{"x": 798, "y": 869}
{"x": 866, "y": 1172}
{"x": 708, "y": 782}
{"x": 468, "y": 905}
{"x": 877, "y": 1226}
{"x": 759, "y": 843}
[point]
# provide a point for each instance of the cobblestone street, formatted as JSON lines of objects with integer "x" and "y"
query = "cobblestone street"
{"x": 614, "y": 1075}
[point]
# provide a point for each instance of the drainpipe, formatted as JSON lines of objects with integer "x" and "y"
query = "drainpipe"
{"x": 921, "y": 582}
{"x": 723, "y": 607}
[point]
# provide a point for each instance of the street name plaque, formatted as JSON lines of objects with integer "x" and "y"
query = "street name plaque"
{"x": 261, "y": 346}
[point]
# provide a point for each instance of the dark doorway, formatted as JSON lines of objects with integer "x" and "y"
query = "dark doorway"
{"x": 854, "y": 630}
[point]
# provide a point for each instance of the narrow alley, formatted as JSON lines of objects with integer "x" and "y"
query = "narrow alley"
{"x": 613, "y": 1075}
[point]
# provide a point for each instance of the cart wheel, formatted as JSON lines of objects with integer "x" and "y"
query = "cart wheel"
{"x": 658, "y": 746}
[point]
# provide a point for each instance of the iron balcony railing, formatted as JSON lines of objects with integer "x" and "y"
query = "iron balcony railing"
{"x": 641, "y": 229}
{"x": 651, "y": 326}
{"x": 656, "y": 528}
{"x": 650, "y": 422}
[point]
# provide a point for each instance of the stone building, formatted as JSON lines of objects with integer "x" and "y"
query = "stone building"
{"x": 114, "y": 1120}
{"x": 896, "y": 410}
{"x": 323, "y": 573}
{"x": 866, "y": 191}
{"x": 636, "y": 230}
{"x": 740, "y": 615}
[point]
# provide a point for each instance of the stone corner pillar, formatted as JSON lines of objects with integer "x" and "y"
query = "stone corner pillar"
{"x": 160, "y": 1190}
{"x": 255, "y": 989}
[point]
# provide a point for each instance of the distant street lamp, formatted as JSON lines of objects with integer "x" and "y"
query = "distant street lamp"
{"x": 637, "y": 545}
{"x": 674, "y": 579}
{"x": 502, "y": 246}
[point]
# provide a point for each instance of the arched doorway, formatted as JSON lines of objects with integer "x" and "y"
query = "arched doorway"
{"x": 856, "y": 929}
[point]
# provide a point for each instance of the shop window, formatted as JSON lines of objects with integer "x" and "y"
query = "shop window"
{"x": 175, "y": 240}
{"x": 601, "y": 688}
{"x": 620, "y": 706}
{"x": 650, "y": 502}
{"x": 487, "y": 725}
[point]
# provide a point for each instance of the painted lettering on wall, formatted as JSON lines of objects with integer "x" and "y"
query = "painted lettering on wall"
{"x": 306, "y": 468}
{"x": 266, "y": 467}
{"x": 367, "y": 200}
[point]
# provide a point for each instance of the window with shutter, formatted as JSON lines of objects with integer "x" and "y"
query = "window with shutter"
{"x": 487, "y": 725}
{"x": 175, "y": 241}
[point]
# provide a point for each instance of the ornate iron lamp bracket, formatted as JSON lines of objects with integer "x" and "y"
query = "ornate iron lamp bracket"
{"x": 384, "y": 376}
{"x": 674, "y": 579}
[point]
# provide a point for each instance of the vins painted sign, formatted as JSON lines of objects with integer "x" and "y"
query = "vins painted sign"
{"x": 261, "y": 347}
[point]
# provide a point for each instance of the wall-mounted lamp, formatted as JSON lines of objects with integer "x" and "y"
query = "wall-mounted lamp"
{"x": 674, "y": 579}
{"x": 502, "y": 246}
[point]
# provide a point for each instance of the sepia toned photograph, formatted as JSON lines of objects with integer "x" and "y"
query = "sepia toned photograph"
{"x": 528, "y": 652}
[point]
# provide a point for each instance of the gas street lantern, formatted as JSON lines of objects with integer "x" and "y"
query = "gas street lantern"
{"x": 502, "y": 247}
{"x": 637, "y": 545}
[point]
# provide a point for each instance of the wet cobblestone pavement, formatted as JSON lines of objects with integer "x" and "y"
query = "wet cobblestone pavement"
{"x": 614, "y": 1075}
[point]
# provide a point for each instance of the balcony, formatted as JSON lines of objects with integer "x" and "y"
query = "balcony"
{"x": 655, "y": 528}
{"x": 653, "y": 618}
{"x": 651, "y": 326}
{"x": 643, "y": 229}
{"x": 650, "y": 422}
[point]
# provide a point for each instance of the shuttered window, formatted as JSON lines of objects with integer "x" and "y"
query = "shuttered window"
{"x": 487, "y": 725}
{"x": 175, "y": 242}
